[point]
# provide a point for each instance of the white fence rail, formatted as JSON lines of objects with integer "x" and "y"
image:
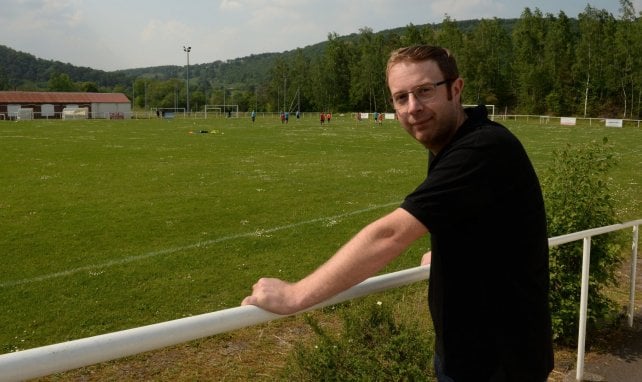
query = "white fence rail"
{"x": 586, "y": 236}
{"x": 547, "y": 119}
{"x": 64, "y": 356}
{"x": 38, "y": 362}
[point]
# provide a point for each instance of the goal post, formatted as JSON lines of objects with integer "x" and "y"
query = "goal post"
{"x": 224, "y": 110}
{"x": 216, "y": 110}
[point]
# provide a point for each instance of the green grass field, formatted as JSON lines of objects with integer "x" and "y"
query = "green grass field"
{"x": 108, "y": 225}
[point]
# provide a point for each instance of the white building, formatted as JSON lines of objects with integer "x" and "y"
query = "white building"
{"x": 52, "y": 104}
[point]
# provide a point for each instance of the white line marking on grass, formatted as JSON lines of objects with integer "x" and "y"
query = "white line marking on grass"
{"x": 168, "y": 251}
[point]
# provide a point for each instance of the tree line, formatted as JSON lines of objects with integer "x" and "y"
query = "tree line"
{"x": 540, "y": 64}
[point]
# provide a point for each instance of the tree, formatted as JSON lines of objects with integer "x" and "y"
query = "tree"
{"x": 335, "y": 75}
{"x": 88, "y": 87}
{"x": 412, "y": 35}
{"x": 140, "y": 93}
{"x": 591, "y": 62}
{"x": 450, "y": 36}
{"x": 625, "y": 56}
{"x": 278, "y": 85}
{"x": 486, "y": 79}
{"x": 532, "y": 82}
{"x": 367, "y": 81}
{"x": 300, "y": 80}
{"x": 4, "y": 82}
{"x": 428, "y": 35}
{"x": 636, "y": 104}
{"x": 558, "y": 61}
{"x": 60, "y": 82}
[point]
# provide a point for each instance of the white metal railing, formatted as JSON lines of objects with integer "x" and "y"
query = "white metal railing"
{"x": 586, "y": 236}
{"x": 546, "y": 119}
{"x": 38, "y": 362}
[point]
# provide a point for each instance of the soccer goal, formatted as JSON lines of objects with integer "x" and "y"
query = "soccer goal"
{"x": 489, "y": 108}
{"x": 213, "y": 110}
{"x": 223, "y": 110}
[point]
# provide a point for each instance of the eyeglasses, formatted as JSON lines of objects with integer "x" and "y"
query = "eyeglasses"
{"x": 423, "y": 93}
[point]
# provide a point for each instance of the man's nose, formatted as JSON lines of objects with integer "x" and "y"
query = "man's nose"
{"x": 414, "y": 104}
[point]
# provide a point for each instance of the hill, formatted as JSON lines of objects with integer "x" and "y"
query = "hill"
{"x": 24, "y": 71}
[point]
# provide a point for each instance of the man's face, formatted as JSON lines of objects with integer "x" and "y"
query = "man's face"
{"x": 431, "y": 121}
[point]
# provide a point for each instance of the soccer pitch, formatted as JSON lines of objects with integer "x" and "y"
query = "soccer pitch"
{"x": 108, "y": 225}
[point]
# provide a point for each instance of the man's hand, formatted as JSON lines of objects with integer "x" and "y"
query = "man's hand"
{"x": 426, "y": 258}
{"x": 361, "y": 257}
{"x": 274, "y": 295}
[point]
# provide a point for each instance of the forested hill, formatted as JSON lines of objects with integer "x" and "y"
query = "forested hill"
{"x": 24, "y": 71}
{"x": 537, "y": 64}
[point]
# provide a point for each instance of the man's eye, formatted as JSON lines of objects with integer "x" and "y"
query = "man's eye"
{"x": 423, "y": 91}
{"x": 401, "y": 98}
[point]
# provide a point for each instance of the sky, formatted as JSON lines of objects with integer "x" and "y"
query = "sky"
{"x": 126, "y": 34}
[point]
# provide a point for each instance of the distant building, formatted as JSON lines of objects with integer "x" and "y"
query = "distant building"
{"x": 29, "y": 105}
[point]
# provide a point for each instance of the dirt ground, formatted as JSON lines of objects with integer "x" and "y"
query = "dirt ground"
{"x": 617, "y": 358}
{"x": 621, "y": 360}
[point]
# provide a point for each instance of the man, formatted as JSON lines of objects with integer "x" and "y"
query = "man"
{"x": 482, "y": 205}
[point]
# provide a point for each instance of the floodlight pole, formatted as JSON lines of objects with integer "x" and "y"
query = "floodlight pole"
{"x": 187, "y": 50}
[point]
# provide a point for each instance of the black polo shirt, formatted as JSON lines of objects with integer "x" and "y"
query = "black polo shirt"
{"x": 489, "y": 279}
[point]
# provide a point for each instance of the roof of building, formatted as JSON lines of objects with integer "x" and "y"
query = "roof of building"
{"x": 20, "y": 97}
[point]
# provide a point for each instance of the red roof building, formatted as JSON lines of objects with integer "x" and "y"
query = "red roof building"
{"x": 13, "y": 104}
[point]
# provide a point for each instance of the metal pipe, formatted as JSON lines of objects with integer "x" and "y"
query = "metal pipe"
{"x": 38, "y": 362}
{"x": 634, "y": 263}
{"x": 581, "y": 336}
{"x": 563, "y": 239}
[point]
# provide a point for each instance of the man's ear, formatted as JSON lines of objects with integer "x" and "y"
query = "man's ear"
{"x": 457, "y": 88}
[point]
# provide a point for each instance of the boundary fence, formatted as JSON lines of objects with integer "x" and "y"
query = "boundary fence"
{"x": 572, "y": 121}
{"x": 42, "y": 361}
{"x": 152, "y": 114}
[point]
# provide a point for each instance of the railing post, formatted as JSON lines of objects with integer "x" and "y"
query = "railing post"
{"x": 581, "y": 337}
{"x": 634, "y": 263}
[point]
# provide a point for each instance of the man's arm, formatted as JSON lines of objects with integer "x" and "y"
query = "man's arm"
{"x": 365, "y": 254}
